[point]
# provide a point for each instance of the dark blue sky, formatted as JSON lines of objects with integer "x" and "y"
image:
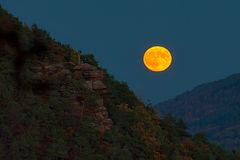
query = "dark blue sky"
{"x": 203, "y": 36}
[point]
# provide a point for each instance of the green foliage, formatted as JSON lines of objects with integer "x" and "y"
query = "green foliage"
{"x": 71, "y": 55}
{"x": 136, "y": 130}
{"x": 47, "y": 125}
{"x": 237, "y": 155}
{"x": 200, "y": 138}
{"x": 77, "y": 87}
{"x": 26, "y": 39}
{"x": 174, "y": 129}
{"x": 120, "y": 92}
{"x": 90, "y": 59}
{"x": 11, "y": 25}
{"x": 200, "y": 154}
{"x": 40, "y": 42}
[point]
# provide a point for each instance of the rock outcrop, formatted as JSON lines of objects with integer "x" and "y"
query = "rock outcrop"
{"x": 92, "y": 79}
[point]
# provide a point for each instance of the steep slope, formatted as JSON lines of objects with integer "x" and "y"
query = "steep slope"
{"x": 213, "y": 108}
{"x": 58, "y": 105}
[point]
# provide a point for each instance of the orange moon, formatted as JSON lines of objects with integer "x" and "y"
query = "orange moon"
{"x": 157, "y": 59}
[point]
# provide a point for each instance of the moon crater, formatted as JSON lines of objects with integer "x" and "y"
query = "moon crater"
{"x": 157, "y": 59}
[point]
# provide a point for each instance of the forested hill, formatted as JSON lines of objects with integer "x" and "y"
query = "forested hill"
{"x": 59, "y": 105}
{"x": 213, "y": 108}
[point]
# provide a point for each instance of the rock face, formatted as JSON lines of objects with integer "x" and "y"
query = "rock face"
{"x": 92, "y": 76}
{"x": 92, "y": 79}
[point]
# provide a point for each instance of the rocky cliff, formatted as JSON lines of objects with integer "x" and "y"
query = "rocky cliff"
{"x": 89, "y": 76}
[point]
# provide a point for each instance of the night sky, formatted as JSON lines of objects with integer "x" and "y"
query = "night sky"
{"x": 203, "y": 37}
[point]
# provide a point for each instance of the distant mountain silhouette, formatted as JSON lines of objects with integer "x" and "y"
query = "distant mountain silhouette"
{"x": 213, "y": 108}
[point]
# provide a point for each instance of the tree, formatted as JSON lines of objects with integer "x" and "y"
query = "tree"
{"x": 90, "y": 59}
{"x": 200, "y": 138}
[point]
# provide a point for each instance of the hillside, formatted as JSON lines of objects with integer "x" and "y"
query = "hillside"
{"x": 57, "y": 104}
{"x": 212, "y": 108}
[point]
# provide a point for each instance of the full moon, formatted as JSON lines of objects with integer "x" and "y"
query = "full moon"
{"x": 157, "y": 59}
